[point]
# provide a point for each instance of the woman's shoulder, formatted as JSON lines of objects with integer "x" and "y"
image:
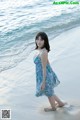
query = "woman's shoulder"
{"x": 45, "y": 51}
{"x": 42, "y": 52}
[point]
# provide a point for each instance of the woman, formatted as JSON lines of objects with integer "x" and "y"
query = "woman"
{"x": 46, "y": 79}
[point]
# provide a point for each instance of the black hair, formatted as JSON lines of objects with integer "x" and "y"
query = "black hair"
{"x": 44, "y": 37}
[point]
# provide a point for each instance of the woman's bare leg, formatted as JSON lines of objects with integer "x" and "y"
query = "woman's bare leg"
{"x": 52, "y": 103}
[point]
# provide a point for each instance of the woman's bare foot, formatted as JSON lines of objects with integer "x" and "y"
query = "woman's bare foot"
{"x": 49, "y": 109}
{"x": 62, "y": 104}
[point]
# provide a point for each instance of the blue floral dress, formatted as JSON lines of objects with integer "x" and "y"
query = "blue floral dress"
{"x": 51, "y": 79}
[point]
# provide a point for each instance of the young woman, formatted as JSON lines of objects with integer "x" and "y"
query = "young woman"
{"x": 46, "y": 79}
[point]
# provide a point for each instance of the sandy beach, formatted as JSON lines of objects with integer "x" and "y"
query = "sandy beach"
{"x": 18, "y": 91}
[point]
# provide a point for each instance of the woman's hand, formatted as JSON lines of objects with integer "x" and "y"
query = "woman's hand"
{"x": 43, "y": 85}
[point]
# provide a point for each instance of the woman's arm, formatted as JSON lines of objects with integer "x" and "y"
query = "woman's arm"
{"x": 44, "y": 57}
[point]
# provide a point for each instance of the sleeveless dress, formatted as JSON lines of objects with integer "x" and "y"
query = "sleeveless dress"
{"x": 51, "y": 79}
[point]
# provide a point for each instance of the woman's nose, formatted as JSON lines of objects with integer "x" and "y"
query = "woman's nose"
{"x": 39, "y": 41}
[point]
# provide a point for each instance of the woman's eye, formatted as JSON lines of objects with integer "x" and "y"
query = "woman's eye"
{"x": 40, "y": 39}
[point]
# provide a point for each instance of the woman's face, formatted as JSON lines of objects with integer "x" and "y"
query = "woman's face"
{"x": 40, "y": 42}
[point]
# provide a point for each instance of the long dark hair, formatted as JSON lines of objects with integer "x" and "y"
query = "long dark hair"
{"x": 44, "y": 37}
